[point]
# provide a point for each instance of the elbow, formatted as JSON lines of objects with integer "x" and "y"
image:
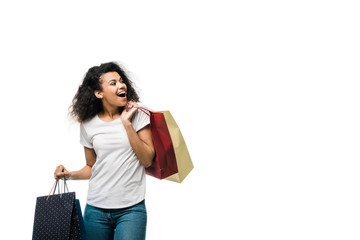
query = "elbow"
{"x": 147, "y": 163}
{"x": 149, "y": 160}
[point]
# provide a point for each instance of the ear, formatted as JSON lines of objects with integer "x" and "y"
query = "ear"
{"x": 98, "y": 94}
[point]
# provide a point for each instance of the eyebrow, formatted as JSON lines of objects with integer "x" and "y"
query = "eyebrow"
{"x": 121, "y": 80}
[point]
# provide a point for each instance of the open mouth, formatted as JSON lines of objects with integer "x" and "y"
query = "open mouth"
{"x": 122, "y": 94}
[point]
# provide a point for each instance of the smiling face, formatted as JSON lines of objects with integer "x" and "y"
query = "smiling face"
{"x": 114, "y": 91}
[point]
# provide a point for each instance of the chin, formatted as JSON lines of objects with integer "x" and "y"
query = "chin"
{"x": 122, "y": 104}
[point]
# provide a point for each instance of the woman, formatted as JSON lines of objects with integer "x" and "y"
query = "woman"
{"x": 118, "y": 147}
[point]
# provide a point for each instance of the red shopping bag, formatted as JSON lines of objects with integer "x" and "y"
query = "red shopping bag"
{"x": 164, "y": 164}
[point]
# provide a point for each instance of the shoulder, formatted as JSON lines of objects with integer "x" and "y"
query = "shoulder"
{"x": 142, "y": 113}
{"x": 90, "y": 123}
{"x": 140, "y": 118}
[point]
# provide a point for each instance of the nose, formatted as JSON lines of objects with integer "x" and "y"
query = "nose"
{"x": 120, "y": 85}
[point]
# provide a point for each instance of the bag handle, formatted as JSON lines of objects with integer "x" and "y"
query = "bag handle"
{"x": 53, "y": 189}
{"x": 144, "y": 110}
{"x": 63, "y": 186}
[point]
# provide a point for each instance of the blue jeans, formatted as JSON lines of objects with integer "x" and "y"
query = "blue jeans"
{"x": 118, "y": 224}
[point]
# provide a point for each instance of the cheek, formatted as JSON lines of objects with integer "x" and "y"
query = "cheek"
{"x": 108, "y": 92}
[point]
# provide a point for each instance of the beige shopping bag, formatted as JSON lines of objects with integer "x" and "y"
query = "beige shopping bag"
{"x": 183, "y": 159}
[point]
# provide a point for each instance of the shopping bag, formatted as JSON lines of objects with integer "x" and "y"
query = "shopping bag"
{"x": 58, "y": 217}
{"x": 183, "y": 160}
{"x": 164, "y": 162}
{"x": 165, "y": 130}
{"x": 81, "y": 220}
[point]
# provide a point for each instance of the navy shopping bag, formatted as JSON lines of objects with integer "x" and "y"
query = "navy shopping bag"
{"x": 58, "y": 217}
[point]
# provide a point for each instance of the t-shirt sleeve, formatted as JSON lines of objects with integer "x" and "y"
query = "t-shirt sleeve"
{"x": 84, "y": 139}
{"x": 140, "y": 120}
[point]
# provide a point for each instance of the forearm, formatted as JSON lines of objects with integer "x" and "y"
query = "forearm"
{"x": 142, "y": 150}
{"x": 82, "y": 174}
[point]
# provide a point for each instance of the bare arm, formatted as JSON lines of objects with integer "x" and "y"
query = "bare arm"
{"x": 85, "y": 172}
{"x": 141, "y": 141}
{"x": 82, "y": 174}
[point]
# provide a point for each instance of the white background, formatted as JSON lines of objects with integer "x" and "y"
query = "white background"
{"x": 266, "y": 94}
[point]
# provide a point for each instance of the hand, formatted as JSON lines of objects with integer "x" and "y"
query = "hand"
{"x": 128, "y": 112}
{"x": 61, "y": 172}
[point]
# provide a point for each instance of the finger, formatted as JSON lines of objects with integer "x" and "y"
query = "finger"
{"x": 61, "y": 170}
{"x": 56, "y": 172}
{"x": 132, "y": 104}
{"x": 132, "y": 111}
{"x": 129, "y": 106}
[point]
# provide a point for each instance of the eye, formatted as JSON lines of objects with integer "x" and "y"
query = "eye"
{"x": 112, "y": 83}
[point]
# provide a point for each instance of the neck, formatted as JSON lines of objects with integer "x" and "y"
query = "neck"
{"x": 110, "y": 113}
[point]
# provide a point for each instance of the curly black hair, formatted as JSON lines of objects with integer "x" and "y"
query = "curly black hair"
{"x": 85, "y": 105}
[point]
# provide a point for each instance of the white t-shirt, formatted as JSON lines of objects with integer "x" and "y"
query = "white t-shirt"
{"x": 118, "y": 177}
